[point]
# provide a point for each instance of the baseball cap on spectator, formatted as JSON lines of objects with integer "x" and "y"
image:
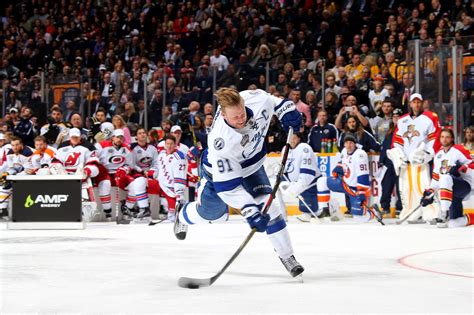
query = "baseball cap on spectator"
{"x": 13, "y": 109}
{"x": 365, "y": 26}
{"x": 74, "y": 132}
{"x": 79, "y": 58}
{"x": 118, "y": 133}
{"x": 350, "y": 137}
{"x": 102, "y": 67}
{"x": 134, "y": 32}
{"x": 416, "y": 96}
{"x": 176, "y": 128}
{"x": 379, "y": 78}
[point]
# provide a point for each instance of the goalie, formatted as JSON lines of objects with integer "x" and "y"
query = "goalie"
{"x": 415, "y": 141}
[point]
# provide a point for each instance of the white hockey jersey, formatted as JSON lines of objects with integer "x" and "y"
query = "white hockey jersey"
{"x": 3, "y": 157}
{"x": 356, "y": 169}
{"x": 181, "y": 147}
{"x": 301, "y": 168}
{"x": 16, "y": 163}
{"x": 75, "y": 157}
{"x": 235, "y": 154}
{"x": 412, "y": 131}
{"x": 40, "y": 159}
{"x": 443, "y": 161}
{"x": 171, "y": 172}
{"x": 111, "y": 157}
{"x": 143, "y": 158}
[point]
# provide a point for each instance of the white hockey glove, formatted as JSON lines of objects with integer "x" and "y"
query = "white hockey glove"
{"x": 398, "y": 159}
{"x": 294, "y": 189}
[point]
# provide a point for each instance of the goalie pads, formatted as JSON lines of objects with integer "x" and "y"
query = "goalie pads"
{"x": 398, "y": 159}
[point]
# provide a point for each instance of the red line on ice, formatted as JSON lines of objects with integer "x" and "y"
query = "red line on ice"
{"x": 403, "y": 261}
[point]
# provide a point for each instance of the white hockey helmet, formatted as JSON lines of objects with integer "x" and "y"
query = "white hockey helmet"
{"x": 107, "y": 129}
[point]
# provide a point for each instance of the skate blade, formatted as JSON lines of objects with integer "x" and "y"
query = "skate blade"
{"x": 299, "y": 278}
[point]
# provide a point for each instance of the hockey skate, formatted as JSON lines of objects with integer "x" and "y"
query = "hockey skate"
{"x": 377, "y": 213}
{"x": 126, "y": 215}
{"x": 324, "y": 213}
{"x": 108, "y": 215}
{"x": 143, "y": 216}
{"x": 3, "y": 215}
{"x": 180, "y": 229}
{"x": 293, "y": 267}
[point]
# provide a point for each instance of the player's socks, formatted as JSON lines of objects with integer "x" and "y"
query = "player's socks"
{"x": 465, "y": 220}
{"x": 292, "y": 266}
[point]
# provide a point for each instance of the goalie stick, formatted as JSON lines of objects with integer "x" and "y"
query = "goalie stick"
{"x": 408, "y": 215}
{"x": 195, "y": 283}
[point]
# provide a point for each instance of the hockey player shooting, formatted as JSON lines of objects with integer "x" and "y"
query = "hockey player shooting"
{"x": 232, "y": 173}
{"x": 452, "y": 181}
{"x": 351, "y": 177}
{"x": 415, "y": 141}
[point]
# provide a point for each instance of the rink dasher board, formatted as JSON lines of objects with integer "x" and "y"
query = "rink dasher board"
{"x": 327, "y": 161}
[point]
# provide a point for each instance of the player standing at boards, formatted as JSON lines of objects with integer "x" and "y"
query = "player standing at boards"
{"x": 452, "y": 179}
{"x": 415, "y": 141}
{"x": 232, "y": 172}
{"x": 302, "y": 173}
{"x": 351, "y": 177}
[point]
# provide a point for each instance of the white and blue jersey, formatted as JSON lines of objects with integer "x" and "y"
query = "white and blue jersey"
{"x": 235, "y": 154}
{"x": 302, "y": 172}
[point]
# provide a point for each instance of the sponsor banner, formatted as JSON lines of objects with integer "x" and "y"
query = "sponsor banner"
{"x": 46, "y": 201}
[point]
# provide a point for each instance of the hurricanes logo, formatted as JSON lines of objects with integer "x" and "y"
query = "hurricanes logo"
{"x": 410, "y": 133}
{"x": 46, "y": 201}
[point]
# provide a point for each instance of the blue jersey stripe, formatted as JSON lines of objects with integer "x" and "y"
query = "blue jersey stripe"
{"x": 363, "y": 179}
{"x": 254, "y": 159}
{"x": 307, "y": 171}
{"x": 227, "y": 185}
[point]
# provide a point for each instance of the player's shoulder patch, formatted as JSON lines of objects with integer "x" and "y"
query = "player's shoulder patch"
{"x": 219, "y": 144}
{"x": 305, "y": 150}
{"x": 431, "y": 115}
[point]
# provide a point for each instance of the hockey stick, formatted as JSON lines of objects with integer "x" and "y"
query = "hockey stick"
{"x": 300, "y": 198}
{"x": 194, "y": 283}
{"x": 408, "y": 215}
{"x": 364, "y": 203}
{"x": 152, "y": 222}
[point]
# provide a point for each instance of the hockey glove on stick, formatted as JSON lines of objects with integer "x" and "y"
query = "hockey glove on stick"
{"x": 338, "y": 171}
{"x": 258, "y": 221}
{"x": 428, "y": 197}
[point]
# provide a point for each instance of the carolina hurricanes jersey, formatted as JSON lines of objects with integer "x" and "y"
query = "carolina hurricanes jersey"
{"x": 40, "y": 159}
{"x": 412, "y": 131}
{"x": 74, "y": 157}
{"x": 234, "y": 154}
{"x": 18, "y": 162}
{"x": 301, "y": 165}
{"x": 112, "y": 157}
{"x": 356, "y": 169}
{"x": 443, "y": 161}
{"x": 171, "y": 169}
{"x": 143, "y": 158}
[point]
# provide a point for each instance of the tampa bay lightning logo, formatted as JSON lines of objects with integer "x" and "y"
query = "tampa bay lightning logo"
{"x": 290, "y": 167}
{"x": 245, "y": 140}
{"x": 219, "y": 144}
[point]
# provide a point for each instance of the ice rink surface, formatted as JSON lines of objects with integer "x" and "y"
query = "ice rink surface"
{"x": 350, "y": 268}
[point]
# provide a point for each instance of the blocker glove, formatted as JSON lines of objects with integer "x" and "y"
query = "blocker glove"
{"x": 428, "y": 197}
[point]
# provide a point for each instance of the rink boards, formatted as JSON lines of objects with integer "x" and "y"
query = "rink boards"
{"x": 327, "y": 161}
